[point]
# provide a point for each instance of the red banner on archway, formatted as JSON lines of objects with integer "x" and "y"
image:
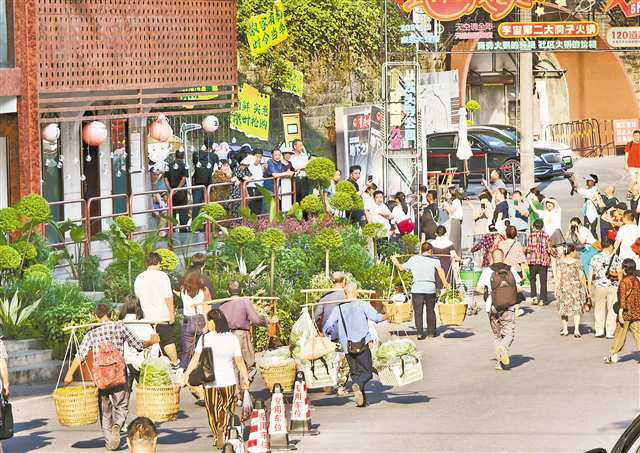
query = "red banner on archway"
{"x": 447, "y": 10}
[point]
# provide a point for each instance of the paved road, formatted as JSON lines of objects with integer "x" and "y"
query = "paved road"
{"x": 558, "y": 396}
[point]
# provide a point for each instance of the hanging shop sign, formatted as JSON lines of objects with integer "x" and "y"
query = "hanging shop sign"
{"x": 565, "y": 44}
{"x": 267, "y": 29}
{"x": 631, "y": 9}
{"x": 474, "y": 30}
{"x": 623, "y": 131}
{"x": 200, "y": 97}
{"x": 294, "y": 83}
{"x": 517, "y": 30}
{"x": 623, "y": 36}
{"x": 252, "y": 116}
{"x": 455, "y": 9}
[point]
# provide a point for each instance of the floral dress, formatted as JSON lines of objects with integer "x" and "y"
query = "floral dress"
{"x": 571, "y": 293}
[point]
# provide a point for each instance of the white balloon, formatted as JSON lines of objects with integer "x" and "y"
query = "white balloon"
{"x": 51, "y": 133}
{"x": 210, "y": 124}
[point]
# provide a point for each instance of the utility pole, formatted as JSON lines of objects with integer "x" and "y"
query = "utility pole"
{"x": 527, "y": 179}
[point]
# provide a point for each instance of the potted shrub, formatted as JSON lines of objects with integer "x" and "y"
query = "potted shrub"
{"x": 328, "y": 239}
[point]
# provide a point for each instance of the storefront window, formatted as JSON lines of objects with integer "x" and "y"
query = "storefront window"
{"x": 6, "y": 34}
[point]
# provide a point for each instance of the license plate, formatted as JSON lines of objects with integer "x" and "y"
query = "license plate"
{"x": 557, "y": 167}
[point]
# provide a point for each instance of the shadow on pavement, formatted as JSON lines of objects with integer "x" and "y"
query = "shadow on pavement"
{"x": 28, "y": 442}
{"x": 630, "y": 357}
{"x": 452, "y": 332}
{"x": 518, "y": 360}
{"x": 97, "y": 442}
{"x": 177, "y": 436}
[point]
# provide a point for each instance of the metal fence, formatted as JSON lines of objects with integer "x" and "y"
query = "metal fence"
{"x": 168, "y": 218}
{"x": 589, "y": 137}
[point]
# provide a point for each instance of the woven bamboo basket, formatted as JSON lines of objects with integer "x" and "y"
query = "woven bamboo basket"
{"x": 76, "y": 406}
{"x": 284, "y": 375}
{"x": 400, "y": 312}
{"x": 452, "y": 314}
{"x": 159, "y": 403}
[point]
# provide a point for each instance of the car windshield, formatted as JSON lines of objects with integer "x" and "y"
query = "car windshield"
{"x": 494, "y": 139}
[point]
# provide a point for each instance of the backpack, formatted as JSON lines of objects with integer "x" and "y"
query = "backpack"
{"x": 504, "y": 291}
{"x": 202, "y": 173}
{"x": 109, "y": 367}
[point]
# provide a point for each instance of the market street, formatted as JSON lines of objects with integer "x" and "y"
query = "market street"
{"x": 559, "y": 396}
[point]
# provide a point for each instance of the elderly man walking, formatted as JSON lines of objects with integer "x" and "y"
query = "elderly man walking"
{"x": 499, "y": 282}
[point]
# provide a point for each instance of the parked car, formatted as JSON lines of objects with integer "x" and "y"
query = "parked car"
{"x": 491, "y": 149}
{"x": 513, "y": 133}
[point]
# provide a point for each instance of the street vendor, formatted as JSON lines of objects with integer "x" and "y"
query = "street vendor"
{"x": 241, "y": 316}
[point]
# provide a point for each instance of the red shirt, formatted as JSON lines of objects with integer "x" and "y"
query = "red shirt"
{"x": 632, "y": 150}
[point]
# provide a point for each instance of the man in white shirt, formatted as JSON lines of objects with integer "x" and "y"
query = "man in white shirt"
{"x": 153, "y": 289}
{"x": 627, "y": 235}
{"x": 591, "y": 198}
{"x": 299, "y": 162}
{"x": 379, "y": 212}
{"x": 256, "y": 169}
{"x": 502, "y": 312}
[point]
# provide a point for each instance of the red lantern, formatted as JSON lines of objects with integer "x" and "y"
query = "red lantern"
{"x": 160, "y": 130}
{"x": 95, "y": 133}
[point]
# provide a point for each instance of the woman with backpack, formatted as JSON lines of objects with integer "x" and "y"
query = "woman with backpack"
{"x": 220, "y": 395}
{"x": 628, "y": 310}
{"x": 571, "y": 290}
{"x": 193, "y": 291}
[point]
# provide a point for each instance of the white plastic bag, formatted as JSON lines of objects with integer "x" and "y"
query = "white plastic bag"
{"x": 302, "y": 331}
{"x": 247, "y": 406}
{"x": 317, "y": 347}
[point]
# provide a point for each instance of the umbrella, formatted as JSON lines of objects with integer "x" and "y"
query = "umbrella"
{"x": 464, "y": 149}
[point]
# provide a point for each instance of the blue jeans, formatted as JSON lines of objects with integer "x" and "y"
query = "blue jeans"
{"x": 191, "y": 329}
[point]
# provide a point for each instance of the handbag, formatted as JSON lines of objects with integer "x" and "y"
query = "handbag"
{"x": 406, "y": 226}
{"x": 203, "y": 373}
{"x": 611, "y": 275}
{"x": 6, "y": 419}
{"x": 353, "y": 347}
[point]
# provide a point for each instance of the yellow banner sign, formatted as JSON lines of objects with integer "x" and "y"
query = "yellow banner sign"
{"x": 294, "y": 83}
{"x": 267, "y": 30}
{"x": 252, "y": 116}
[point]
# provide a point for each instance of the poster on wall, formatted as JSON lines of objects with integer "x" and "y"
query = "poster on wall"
{"x": 357, "y": 137}
{"x": 252, "y": 115}
{"x": 267, "y": 30}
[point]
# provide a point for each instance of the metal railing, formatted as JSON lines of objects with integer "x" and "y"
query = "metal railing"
{"x": 170, "y": 210}
{"x": 588, "y": 137}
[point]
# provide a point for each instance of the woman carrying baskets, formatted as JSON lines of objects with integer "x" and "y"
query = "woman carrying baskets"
{"x": 423, "y": 268}
{"x": 107, "y": 340}
{"x": 220, "y": 395}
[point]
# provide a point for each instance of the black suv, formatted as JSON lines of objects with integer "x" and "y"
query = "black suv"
{"x": 498, "y": 150}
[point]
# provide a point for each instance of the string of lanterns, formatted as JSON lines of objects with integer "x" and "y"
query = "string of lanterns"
{"x": 95, "y": 133}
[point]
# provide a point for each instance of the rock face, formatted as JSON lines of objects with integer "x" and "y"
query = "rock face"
{"x": 28, "y": 364}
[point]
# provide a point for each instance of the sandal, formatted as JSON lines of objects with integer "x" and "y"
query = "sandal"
{"x": 564, "y": 333}
{"x": 577, "y": 335}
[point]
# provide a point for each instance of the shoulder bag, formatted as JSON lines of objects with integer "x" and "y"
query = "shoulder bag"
{"x": 203, "y": 373}
{"x": 353, "y": 347}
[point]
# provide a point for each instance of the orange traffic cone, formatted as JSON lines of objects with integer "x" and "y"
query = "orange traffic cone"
{"x": 258, "y": 438}
{"x": 278, "y": 435}
{"x": 300, "y": 410}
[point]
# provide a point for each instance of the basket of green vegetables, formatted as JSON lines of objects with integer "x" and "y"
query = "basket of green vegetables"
{"x": 398, "y": 363}
{"x": 450, "y": 307}
{"x": 156, "y": 395}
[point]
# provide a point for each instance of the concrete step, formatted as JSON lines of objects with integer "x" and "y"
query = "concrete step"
{"x": 20, "y": 345}
{"x": 31, "y": 357}
{"x": 40, "y": 372}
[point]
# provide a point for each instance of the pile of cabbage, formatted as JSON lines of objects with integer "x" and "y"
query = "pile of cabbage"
{"x": 275, "y": 358}
{"x": 392, "y": 350}
{"x": 155, "y": 372}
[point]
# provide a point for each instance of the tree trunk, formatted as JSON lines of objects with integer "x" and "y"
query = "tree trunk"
{"x": 326, "y": 263}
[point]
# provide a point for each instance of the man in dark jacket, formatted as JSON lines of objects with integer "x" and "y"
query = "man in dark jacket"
{"x": 175, "y": 178}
